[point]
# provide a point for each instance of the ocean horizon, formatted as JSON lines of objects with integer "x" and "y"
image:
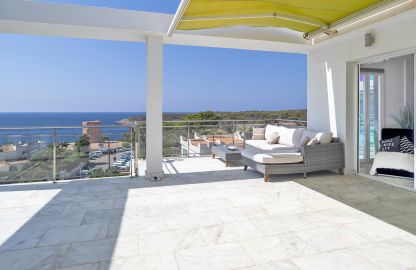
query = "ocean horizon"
{"x": 61, "y": 119}
{"x": 32, "y": 125}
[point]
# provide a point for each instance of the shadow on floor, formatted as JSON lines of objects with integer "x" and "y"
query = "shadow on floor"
{"x": 391, "y": 204}
{"x": 78, "y": 223}
{"x": 49, "y": 226}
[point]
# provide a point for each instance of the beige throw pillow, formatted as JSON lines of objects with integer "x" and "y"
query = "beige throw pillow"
{"x": 313, "y": 141}
{"x": 324, "y": 137}
{"x": 273, "y": 138}
{"x": 258, "y": 133}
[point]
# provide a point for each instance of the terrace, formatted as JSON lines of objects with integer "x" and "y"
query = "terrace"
{"x": 206, "y": 216}
{"x": 201, "y": 214}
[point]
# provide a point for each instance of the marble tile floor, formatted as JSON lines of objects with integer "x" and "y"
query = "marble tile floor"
{"x": 206, "y": 216}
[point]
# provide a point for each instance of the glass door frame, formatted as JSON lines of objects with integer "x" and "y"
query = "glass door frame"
{"x": 378, "y": 112}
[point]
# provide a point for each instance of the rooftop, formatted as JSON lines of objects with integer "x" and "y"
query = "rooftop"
{"x": 207, "y": 216}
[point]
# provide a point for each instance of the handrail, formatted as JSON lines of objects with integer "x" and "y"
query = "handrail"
{"x": 143, "y": 122}
{"x": 231, "y": 120}
{"x": 63, "y": 127}
{"x": 53, "y": 135}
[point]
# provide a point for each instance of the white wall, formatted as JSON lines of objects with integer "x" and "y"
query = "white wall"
{"x": 330, "y": 95}
{"x": 398, "y": 87}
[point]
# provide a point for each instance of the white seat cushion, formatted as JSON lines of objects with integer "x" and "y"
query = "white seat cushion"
{"x": 263, "y": 145}
{"x": 278, "y": 158}
{"x": 269, "y": 157}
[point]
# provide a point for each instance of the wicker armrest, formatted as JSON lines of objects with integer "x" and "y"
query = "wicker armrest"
{"x": 329, "y": 155}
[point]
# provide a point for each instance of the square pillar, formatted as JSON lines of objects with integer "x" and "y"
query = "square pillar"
{"x": 154, "y": 108}
{"x": 351, "y": 128}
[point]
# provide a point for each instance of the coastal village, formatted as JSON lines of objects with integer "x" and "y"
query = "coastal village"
{"x": 32, "y": 159}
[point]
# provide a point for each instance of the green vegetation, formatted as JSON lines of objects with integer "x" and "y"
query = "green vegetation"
{"x": 244, "y": 115}
{"x": 82, "y": 144}
{"x": 107, "y": 173}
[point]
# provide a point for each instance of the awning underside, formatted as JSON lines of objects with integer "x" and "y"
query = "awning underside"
{"x": 299, "y": 15}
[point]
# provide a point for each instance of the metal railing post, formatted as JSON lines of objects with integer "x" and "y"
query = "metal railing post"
{"x": 109, "y": 153}
{"x": 131, "y": 152}
{"x": 54, "y": 157}
{"x": 137, "y": 150}
{"x": 233, "y": 132}
{"x": 245, "y": 135}
{"x": 189, "y": 135}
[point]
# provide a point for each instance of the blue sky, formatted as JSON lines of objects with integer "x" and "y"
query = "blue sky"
{"x": 61, "y": 74}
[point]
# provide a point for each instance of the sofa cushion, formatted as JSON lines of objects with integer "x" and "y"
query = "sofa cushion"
{"x": 266, "y": 157}
{"x": 278, "y": 158}
{"x": 309, "y": 134}
{"x": 322, "y": 137}
{"x": 273, "y": 138}
{"x": 313, "y": 141}
{"x": 262, "y": 145}
{"x": 290, "y": 136}
{"x": 270, "y": 129}
{"x": 304, "y": 141}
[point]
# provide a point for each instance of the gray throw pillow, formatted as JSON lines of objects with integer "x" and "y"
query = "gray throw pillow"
{"x": 390, "y": 145}
{"x": 304, "y": 141}
{"x": 258, "y": 133}
{"x": 273, "y": 138}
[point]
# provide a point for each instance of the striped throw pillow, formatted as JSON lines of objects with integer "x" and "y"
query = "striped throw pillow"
{"x": 406, "y": 146}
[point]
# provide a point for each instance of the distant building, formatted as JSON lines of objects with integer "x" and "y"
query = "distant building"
{"x": 92, "y": 129}
{"x": 20, "y": 150}
{"x": 18, "y": 165}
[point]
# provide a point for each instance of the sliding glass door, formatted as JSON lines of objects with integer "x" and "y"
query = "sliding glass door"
{"x": 370, "y": 89}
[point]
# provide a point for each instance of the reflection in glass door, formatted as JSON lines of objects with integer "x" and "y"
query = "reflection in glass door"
{"x": 370, "y": 89}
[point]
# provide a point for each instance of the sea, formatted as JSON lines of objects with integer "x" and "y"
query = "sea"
{"x": 30, "y": 126}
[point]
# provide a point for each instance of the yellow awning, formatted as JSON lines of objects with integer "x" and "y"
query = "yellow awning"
{"x": 299, "y": 15}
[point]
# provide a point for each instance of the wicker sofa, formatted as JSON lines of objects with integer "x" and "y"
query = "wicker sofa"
{"x": 279, "y": 158}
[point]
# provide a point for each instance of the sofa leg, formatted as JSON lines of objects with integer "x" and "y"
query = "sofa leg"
{"x": 341, "y": 171}
{"x": 245, "y": 167}
{"x": 304, "y": 175}
{"x": 266, "y": 178}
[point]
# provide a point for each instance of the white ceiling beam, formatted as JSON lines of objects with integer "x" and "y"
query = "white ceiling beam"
{"x": 236, "y": 43}
{"x": 36, "y": 18}
{"x": 26, "y": 17}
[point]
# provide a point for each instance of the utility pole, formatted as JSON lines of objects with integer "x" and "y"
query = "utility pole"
{"x": 109, "y": 153}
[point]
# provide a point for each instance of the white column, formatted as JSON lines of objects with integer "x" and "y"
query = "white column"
{"x": 351, "y": 131}
{"x": 154, "y": 108}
